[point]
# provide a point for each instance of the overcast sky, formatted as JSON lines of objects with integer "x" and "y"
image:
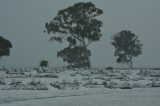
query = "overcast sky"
{"x": 23, "y": 21}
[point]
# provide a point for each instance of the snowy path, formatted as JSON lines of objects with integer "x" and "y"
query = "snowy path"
{"x": 91, "y": 100}
{"x": 134, "y": 97}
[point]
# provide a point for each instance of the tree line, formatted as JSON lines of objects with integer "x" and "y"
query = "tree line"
{"x": 79, "y": 26}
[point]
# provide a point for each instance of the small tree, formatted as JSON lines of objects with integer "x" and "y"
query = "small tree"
{"x": 126, "y": 46}
{"x": 43, "y": 64}
{"x": 78, "y": 25}
{"x": 5, "y": 46}
{"x": 74, "y": 56}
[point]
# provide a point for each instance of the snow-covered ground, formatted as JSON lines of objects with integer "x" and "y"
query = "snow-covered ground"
{"x": 94, "y": 97}
{"x": 80, "y": 87}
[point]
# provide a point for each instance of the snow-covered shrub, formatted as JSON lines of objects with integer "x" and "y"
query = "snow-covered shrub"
{"x": 135, "y": 78}
{"x": 155, "y": 73}
{"x": 119, "y": 76}
{"x": 94, "y": 71}
{"x": 112, "y": 84}
{"x": 101, "y": 77}
{"x": 34, "y": 82}
{"x": 61, "y": 85}
{"x": 14, "y": 85}
{"x": 73, "y": 74}
{"x": 56, "y": 84}
{"x": 109, "y": 68}
{"x": 37, "y": 69}
{"x": 13, "y": 81}
{"x": 85, "y": 74}
{"x": 126, "y": 85}
{"x": 30, "y": 87}
{"x": 142, "y": 77}
{"x": 41, "y": 86}
{"x": 86, "y": 78}
{"x": 105, "y": 83}
{"x": 88, "y": 83}
{"x": 154, "y": 83}
{"x": 36, "y": 85}
{"x": 137, "y": 85}
{"x": 2, "y": 81}
{"x": 51, "y": 75}
{"x": 33, "y": 73}
{"x": 75, "y": 84}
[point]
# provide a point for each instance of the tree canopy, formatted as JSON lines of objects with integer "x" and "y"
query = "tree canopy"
{"x": 43, "y": 63}
{"x": 77, "y": 25}
{"x": 74, "y": 56}
{"x": 5, "y": 46}
{"x": 126, "y": 46}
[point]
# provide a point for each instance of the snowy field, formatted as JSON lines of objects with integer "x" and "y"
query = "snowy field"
{"x": 94, "y": 97}
{"x": 79, "y": 87}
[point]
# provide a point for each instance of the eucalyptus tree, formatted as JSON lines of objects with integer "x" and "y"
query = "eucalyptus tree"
{"x": 126, "y": 46}
{"x": 78, "y": 25}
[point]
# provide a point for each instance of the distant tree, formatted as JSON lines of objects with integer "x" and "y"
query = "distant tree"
{"x": 43, "y": 63}
{"x": 126, "y": 46}
{"x": 74, "y": 56}
{"x": 77, "y": 25}
{"x": 5, "y": 46}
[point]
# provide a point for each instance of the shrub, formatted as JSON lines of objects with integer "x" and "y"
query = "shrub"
{"x": 36, "y": 85}
{"x": 89, "y": 83}
{"x": 56, "y": 84}
{"x": 86, "y": 74}
{"x": 105, "y": 84}
{"x": 109, "y": 68}
{"x": 136, "y": 85}
{"x": 112, "y": 84}
{"x": 126, "y": 85}
{"x": 76, "y": 84}
{"x": 2, "y": 82}
{"x": 52, "y": 75}
{"x": 73, "y": 74}
{"x": 41, "y": 87}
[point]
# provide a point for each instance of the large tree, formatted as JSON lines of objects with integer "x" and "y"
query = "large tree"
{"x": 5, "y": 46}
{"x": 78, "y": 25}
{"x": 126, "y": 46}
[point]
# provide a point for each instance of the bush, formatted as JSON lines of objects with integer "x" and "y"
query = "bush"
{"x": 36, "y": 85}
{"x": 112, "y": 84}
{"x": 109, "y": 68}
{"x": 136, "y": 85}
{"x": 60, "y": 85}
{"x": 105, "y": 84}
{"x": 14, "y": 85}
{"x": 51, "y": 75}
{"x": 2, "y": 82}
{"x": 41, "y": 87}
{"x": 86, "y": 74}
{"x": 126, "y": 85}
{"x": 56, "y": 84}
{"x": 76, "y": 84}
{"x": 89, "y": 83}
{"x": 73, "y": 74}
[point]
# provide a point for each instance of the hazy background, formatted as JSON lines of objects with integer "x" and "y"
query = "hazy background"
{"x": 23, "y": 21}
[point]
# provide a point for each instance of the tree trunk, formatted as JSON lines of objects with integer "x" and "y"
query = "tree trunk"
{"x": 131, "y": 64}
{"x": 87, "y": 57}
